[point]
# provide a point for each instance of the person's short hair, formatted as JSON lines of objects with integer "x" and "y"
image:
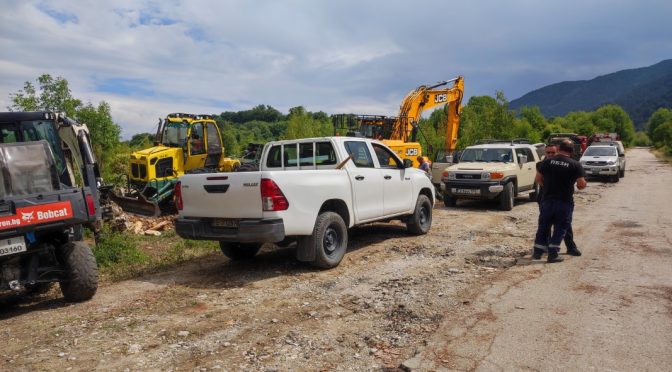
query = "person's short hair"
{"x": 566, "y": 146}
{"x": 419, "y": 157}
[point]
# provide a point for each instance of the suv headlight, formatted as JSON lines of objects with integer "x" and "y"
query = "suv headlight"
{"x": 452, "y": 175}
{"x": 485, "y": 175}
{"x": 611, "y": 162}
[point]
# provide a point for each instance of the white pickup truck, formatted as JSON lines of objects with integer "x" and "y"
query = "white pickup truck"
{"x": 309, "y": 191}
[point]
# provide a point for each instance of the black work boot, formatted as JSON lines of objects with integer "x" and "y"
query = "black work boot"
{"x": 553, "y": 257}
{"x": 573, "y": 251}
{"x": 536, "y": 255}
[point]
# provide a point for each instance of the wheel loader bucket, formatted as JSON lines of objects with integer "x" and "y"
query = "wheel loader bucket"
{"x": 139, "y": 205}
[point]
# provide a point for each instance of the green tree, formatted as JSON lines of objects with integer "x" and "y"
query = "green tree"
{"x": 534, "y": 117}
{"x": 659, "y": 117}
{"x": 486, "y": 117}
{"x": 613, "y": 119}
{"x": 302, "y": 124}
{"x": 662, "y": 135}
{"x": 104, "y": 132}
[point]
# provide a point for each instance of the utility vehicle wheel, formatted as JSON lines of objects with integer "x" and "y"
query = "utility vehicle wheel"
{"x": 535, "y": 194}
{"x": 449, "y": 201}
{"x": 80, "y": 281}
{"x": 615, "y": 178}
{"x": 421, "y": 220}
{"x": 329, "y": 240}
{"x": 506, "y": 197}
{"x": 240, "y": 251}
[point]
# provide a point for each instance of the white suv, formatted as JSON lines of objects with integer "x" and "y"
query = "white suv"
{"x": 604, "y": 159}
{"x": 496, "y": 171}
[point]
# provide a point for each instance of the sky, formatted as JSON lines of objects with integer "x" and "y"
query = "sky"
{"x": 149, "y": 58}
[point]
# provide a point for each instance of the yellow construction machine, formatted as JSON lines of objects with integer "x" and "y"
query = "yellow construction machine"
{"x": 184, "y": 143}
{"x": 400, "y": 133}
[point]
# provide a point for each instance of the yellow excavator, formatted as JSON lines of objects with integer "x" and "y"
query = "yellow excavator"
{"x": 400, "y": 133}
{"x": 184, "y": 143}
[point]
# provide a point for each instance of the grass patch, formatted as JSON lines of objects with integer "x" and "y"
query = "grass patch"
{"x": 664, "y": 154}
{"x": 123, "y": 255}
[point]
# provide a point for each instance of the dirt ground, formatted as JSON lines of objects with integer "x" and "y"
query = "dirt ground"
{"x": 440, "y": 301}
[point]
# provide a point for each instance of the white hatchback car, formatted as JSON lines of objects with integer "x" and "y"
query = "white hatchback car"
{"x": 604, "y": 160}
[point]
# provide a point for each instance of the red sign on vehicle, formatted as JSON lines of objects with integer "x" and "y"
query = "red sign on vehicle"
{"x": 36, "y": 214}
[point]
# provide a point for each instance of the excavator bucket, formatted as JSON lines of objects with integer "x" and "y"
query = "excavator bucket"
{"x": 139, "y": 205}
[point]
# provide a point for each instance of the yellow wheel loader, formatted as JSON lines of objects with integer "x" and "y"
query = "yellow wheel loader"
{"x": 184, "y": 143}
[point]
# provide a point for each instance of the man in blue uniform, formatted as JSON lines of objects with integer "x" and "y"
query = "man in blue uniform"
{"x": 557, "y": 175}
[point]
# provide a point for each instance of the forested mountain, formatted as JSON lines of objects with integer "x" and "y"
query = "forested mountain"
{"x": 640, "y": 92}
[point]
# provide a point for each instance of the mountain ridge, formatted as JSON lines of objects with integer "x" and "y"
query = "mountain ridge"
{"x": 640, "y": 91}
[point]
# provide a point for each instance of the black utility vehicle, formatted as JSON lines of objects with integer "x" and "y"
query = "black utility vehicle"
{"x": 42, "y": 208}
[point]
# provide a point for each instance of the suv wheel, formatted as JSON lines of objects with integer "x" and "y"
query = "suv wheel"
{"x": 506, "y": 197}
{"x": 621, "y": 173}
{"x": 449, "y": 201}
{"x": 534, "y": 195}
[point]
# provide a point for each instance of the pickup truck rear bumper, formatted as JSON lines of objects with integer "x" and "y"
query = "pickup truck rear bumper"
{"x": 248, "y": 231}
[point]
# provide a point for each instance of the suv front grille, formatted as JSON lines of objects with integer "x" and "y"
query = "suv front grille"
{"x": 468, "y": 176}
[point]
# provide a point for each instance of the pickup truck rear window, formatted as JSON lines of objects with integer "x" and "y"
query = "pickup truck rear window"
{"x": 310, "y": 154}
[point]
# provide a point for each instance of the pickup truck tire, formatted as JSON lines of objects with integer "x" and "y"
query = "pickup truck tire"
{"x": 615, "y": 178}
{"x": 621, "y": 173}
{"x": 534, "y": 195}
{"x": 449, "y": 201}
{"x": 329, "y": 240}
{"x": 506, "y": 197}
{"x": 420, "y": 221}
{"x": 239, "y": 251}
{"x": 80, "y": 281}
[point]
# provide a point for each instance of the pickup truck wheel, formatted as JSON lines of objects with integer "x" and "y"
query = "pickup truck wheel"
{"x": 615, "y": 178}
{"x": 240, "y": 251}
{"x": 329, "y": 240}
{"x": 506, "y": 197}
{"x": 535, "y": 194}
{"x": 621, "y": 173}
{"x": 449, "y": 201}
{"x": 80, "y": 281}
{"x": 421, "y": 220}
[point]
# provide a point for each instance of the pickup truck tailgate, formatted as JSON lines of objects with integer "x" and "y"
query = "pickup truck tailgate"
{"x": 222, "y": 195}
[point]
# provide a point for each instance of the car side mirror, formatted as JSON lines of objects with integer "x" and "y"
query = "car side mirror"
{"x": 408, "y": 163}
{"x": 621, "y": 155}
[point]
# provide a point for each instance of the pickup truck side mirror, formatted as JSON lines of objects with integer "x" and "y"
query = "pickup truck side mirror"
{"x": 408, "y": 163}
{"x": 621, "y": 155}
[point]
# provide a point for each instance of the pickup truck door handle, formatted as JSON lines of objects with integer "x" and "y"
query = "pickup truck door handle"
{"x": 359, "y": 178}
{"x": 388, "y": 177}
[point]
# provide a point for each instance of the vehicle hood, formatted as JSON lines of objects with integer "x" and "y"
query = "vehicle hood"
{"x": 481, "y": 167}
{"x": 599, "y": 158}
{"x": 152, "y": 151}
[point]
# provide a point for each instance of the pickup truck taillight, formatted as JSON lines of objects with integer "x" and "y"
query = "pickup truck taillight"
{"x": 178, "y": 196}
{"x": 272, "y": 198}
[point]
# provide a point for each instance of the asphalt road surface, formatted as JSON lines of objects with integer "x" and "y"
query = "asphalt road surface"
{"x": 608, "y": 310}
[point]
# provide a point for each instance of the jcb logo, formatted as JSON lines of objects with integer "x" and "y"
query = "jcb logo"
{"x": 439, "y": 98}
{"x": 411, "y": 152}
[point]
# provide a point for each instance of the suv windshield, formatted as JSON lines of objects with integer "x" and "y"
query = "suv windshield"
{"x": 175, "y": 134}
{"x": 35, "y": 130}
{"x": 600, "y": 151}
{"x": 487, "y": 155}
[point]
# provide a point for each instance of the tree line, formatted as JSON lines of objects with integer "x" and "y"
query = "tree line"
{"x": 482, "y": 117}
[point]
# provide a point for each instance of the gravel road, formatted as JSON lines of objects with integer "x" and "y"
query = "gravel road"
{"x": 465, "y": 296}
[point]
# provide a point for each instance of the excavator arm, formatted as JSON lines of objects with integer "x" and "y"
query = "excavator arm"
{"x": 426, "y": 97}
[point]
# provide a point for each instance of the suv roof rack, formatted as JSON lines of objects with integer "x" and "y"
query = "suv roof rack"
{"x": 515, "y": 141}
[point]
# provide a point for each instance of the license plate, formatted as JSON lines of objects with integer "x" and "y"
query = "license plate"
{"x": 467, "y": 191}
{"x": 12, "y": 245}
{"x": 225, "y": 222}
{"x": 596, "y": 171}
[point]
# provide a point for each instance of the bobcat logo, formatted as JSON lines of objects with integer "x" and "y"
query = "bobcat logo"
{"x": 27, "y": 216}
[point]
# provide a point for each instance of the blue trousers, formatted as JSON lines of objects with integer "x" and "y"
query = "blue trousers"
{"x": 558, "y": 215}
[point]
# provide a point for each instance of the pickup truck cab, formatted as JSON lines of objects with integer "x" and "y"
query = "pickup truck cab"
{"x": 309, "y": 191}
{"x": 492, "y": 171}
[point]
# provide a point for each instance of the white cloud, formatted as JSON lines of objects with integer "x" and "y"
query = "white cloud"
{"x": 345, "y": 56}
